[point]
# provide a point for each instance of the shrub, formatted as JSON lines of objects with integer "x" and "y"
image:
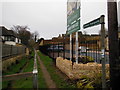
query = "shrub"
{"x": 84, "y": 82}
{"x": 85, "y": 59}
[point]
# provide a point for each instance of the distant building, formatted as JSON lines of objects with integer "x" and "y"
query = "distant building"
{"x": 9, "y": 37}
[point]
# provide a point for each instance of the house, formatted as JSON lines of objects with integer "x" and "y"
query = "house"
{"x": 9, "y": 37}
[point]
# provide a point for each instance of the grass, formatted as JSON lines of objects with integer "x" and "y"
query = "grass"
{"x": 24, "y": 82}
{"x": 41, "y": 80}
{"x": 29, "y": 66}
{"x": 5, "y": 84}
{"x": 14, "y": 68}
{"x": 60, "y": 82}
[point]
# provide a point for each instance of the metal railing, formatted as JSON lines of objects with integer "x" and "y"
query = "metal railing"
{"x": 35, "y": 73}
{"x": 89, "y": 49}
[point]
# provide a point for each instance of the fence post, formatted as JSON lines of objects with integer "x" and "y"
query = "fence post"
{"x": 11, "y": 50}
{"x": 53, "y": 50}
{"x": 86, "y": 47}
{"x": 64, "y": 46}
{"x": 58, "y": 49}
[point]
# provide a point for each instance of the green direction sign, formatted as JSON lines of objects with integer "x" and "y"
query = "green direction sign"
{"x": 73, "y": 16}
{"x": 92, "y": 23}
{"x": 73, "y": 27}
{"x": 73, "y": 22}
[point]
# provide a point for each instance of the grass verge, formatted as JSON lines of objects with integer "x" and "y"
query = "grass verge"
{"x": 15, "y": 68}
{"x": 24, "y": 65}
{"x": 60, "y": 82}
{"x": 41, "y": 80}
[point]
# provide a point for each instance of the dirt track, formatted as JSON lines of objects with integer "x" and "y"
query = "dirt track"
{"x": 46, "y": 75}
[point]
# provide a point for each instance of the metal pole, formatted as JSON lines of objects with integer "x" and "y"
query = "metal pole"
{"x": 58, "y": 49}
{"x": 86, "y": 47}
{"x": 103, "y": 51}
{"x": 64, "y": 46}
{"x": 76, "y": 47}
{"x": 72, "y": 51}
{"x": 53, "y": 50}
{"x": 96, "y": 51}
{"x": 70, "y": 47}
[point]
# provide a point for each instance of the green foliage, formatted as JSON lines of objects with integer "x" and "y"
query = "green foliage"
{"x": 93, "y": 81}
{"x": 84, "y": 82}
{"x": 90, "y": 59}
{"x": 86, "y": 59}
{"x": 89, "y": 85}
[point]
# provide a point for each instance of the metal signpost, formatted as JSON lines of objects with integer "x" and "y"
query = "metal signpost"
{"x": 73, "y": 23}
{"x": 94, "y": 23}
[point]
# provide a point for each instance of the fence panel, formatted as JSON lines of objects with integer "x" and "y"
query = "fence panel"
{"x": 10, "y": 50}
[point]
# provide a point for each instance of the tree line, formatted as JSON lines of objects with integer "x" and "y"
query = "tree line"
{"x": 27, "y": 38}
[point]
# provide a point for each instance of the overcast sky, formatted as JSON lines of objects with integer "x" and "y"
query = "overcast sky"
{"x": 49, "y": 17}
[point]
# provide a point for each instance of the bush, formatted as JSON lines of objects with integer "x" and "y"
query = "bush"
{"x": 84, "y": 82}
{"x": 85, "y": 59}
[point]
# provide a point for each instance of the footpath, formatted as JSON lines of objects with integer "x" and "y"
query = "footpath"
{"x": 50, "y": 83}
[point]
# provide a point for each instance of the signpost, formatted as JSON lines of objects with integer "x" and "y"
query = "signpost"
{"x": 73, "y": 20}
{"x": 73, "y": 24}
{"x": 94, "y": 23}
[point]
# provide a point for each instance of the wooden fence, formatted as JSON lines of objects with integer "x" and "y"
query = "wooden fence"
{"x": 10, "y": 50}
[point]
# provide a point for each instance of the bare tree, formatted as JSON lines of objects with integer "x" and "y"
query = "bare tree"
{"x": 23, "y": 33}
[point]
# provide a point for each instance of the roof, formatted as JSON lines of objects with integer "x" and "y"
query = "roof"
{"x": 6, "y": 32}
